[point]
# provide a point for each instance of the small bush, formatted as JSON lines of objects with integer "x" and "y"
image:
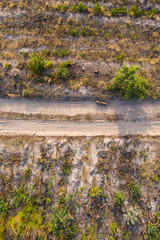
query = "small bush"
{"x": 151, "y": 12}
{"x": 95, "y": 192}
{"x": 7, "y": 65}
{"x": 62, "y": 7}
{"x": 4, "y": 207}
{"x": 73, "y": 32}
{"x": 119, "y": 199}
{"x": 36, "y": 63}
{"x": 62, "y": 53}
{"x": 79, "y": 8}
{"x": 113, "y": 231}
{"x": 63, "y": 73}
{"x": 134, "y": 11}
{"x": 83, "y": 32}
{"x": 133, "y": 215}
{"x": 97, "y": 9}
{"x": 152, "y": 232}
{"x": 61, "y": 220}
{"x": 129, "y": 83}
{"x": 48, "y": 64}
{"x": 118, "y": 11}
{"x": 134, "y": 189}
{"x": 120, "y": 56}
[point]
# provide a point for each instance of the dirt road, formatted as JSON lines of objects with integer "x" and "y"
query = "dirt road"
{"x": 139, "y": 118}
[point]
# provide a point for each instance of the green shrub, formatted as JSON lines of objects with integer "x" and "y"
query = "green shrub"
{"x": 129, "y": 83}
{"x": 63, "y": 73}
{"x": 48, "y": 64}
{"x": 7, "y": 65}
{"x": 120, "y": 56}
{"x": 95, "y": 192}
{"x": 134, "y": 11}
{"x": 106, "y": 35}
{"x": 113, "y": 231}
{"x": 153, "y": 232}
{"x": 62, "y": 7}
{"x": 36, "y": 63}
{"x": 61, "y": 221}
{"x": 151, "y": 12}
{"x": 83, "y": 32}
{"x": 119, "y": 199}
{"x": 73, "y": 32}
{"x": 118, "y": 11}
{"x": 4, "y": 207}
{"x": 79, "y": 8}
{"x": 97, "y": 9}
{"x": 133, "y": 215}
{"x": 134, "y": 189}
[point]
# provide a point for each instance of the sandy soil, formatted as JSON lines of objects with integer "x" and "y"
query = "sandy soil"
{"x": 139, "y": 118}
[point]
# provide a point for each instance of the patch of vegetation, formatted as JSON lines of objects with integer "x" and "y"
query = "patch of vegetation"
{"x": 134, "y": 189}
{"x": 135, "y": 11}
{"x": 62, "y": 53}
{"x": 119, "y": 199}
{"x": 129, "y": 83}
{"x": 7, "y": 66}
{"x": 133, "y": 215}
{"x": 90, "y": 234}
{"x": 120, "y": 56}
{"x": 61, "y": 220}
{"x": 73, "y": 32}
{"x": 95, "y": 192}
{"x": 119, "y": 11}
{"x": 79, "y": 8}
{"x": 113, "y": 231}
{"x": 36, "y": 63}
{"x": 97, "y": 9}
{"x": 4, "y": 207}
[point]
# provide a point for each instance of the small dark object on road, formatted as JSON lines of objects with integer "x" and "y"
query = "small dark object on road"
{"x": 101, "y": 103}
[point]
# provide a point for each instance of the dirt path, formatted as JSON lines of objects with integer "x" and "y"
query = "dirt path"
{"x": 139, "y": 118}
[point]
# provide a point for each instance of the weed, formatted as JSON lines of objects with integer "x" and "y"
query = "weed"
{"x": 126, "y": 235}
{"x": 95, "y": 192}
{"x": 118, "y": 11}
{"x": 119, "y": 199}
{"x": 133, "y": 215}
{"x": 106, "y": 35}
{"x": 4, "y": 207}
{"x": 83, "y": 32}
{"x": 113, "y": 231}
{"x": 97, "y": 9}
{"x": 152, "y": 232}
{"x": 79, "y": 8}
{"x": 90, "y": 234}
{"x": 120, "y": 57}
{"x": 7, "y": 66}
{"x": 151, "y": 12}
{"x": 48, "y": 64}
{"x": 63, "y": 73}
{"x": 134, "y": 189}
{"x": 134, "y": 11}
{"x": 73, "y": 32}
{"x": 61, "y": 221}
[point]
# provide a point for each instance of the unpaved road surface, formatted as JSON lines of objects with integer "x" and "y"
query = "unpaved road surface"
{"x": 139, "y": 118}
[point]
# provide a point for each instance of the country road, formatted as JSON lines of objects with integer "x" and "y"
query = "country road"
{"x": 140, "y": 118}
